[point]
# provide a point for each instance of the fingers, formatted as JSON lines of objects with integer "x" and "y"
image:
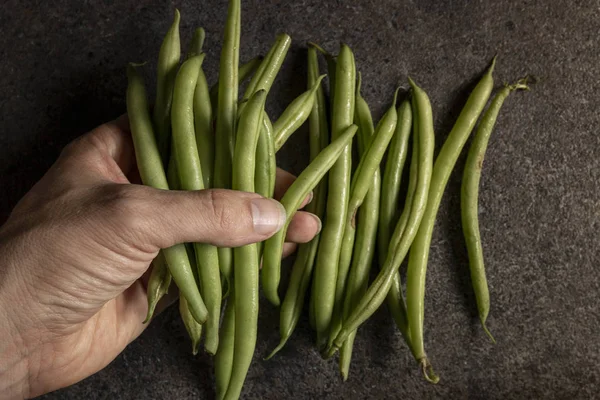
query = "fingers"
{"x": 288, "y": 249}
{"x": 303, "y": 227}
{"x": 224, "y": 218}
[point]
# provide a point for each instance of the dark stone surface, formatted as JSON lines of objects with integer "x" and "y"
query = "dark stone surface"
{"x": 62, "y": 73}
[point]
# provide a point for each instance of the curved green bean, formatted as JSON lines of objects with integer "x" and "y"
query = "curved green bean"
{"x": 295, "y": 114}
{"x": 302, "y": 269}
{"x": 152, "y": 173}
{"x": 292, "y": 199}
{"x": 168, "y": 61}
{"x": 470, "y": 198}
{"x": 377, "y": 292}
{"x": 361, "y": 182}
{"x": 326, "y": 267}
{"x": 266, "y": 165}
{"x": 246, "y": 267}
{"x": 203, "y": 125}
{"x": 389, "y": 212}
{"x": 444, "y": 163}
{"x": 197, "y": 43}
{"x": 191, "y": 178}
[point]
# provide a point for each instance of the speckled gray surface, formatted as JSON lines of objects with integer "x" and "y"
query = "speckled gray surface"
{"x": 62, "y": 73}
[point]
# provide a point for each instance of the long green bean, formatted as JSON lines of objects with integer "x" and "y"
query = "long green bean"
{"x": 152, "y": 173}
{"x": 377, "y": 292}
{"x": 361, "y": 182}
{"x": 444, "y": 163}
{"x": 470, "y": 198}
{"x": 244, "y": 73}
{"x": 326, "y": 267}
{"x": 246, "y": 267}
{"x": 224, "y": 356}
{"x": 266, "y": 165}
{"x": 203, "y": 125}
{"x": 291, "y": 200}
{"x": 191, "y": 178}
{"x": 168, "y": 61}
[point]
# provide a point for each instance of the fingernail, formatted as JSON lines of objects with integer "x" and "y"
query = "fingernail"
{"x": 310, "y": 198}
{"x": 319, "y": 224}
{"x": 268, "y": 216}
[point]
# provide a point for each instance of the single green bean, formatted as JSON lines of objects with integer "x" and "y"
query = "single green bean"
{"x": 226, "y": 116}
{"x": 203, "y": 125}
{"x": 295, "y": 114}
{"x": 326, "y": 267}
{"x": 301, "y": 274}
{"x": 244, "y": 73}
{"x": 266, "y": 165}
{"x": 194, "y": 329}
{"x": 246, "y": 267}
{"x": 366, "y": 233}
{"x": 197, "y": 43}
{"x": 168, "y": 61}
{"x": 291, "y": 200}
{"x": 444, "y": 163}
{"x": 224, "y": 356}
{"x": 158, "y": 284}
{"x": 191, "y": 178}
{"x": 331, "y": 67}
{"x": 389, "y": 213}
{"x": 470, "y": 198}
{"x": 377, "y": 292}
{"x": 152, "y": 173}
{"x": 361, "y": 182}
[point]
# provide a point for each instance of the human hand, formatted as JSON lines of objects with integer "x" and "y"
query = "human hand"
{"x": 77, "y": 247}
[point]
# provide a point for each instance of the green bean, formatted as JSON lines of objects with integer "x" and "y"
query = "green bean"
{"x": 338, "y": 195}
{"x": 470, "y": 198}
{"x": 226, "y": 115}
{"x": 246, "y": 267}
{"x": 158, "y": 284}
{"x": 193, "y": 328}
{"x": 389, "y": 213}
{"x": 444, "y": 163}
{"x": 366, "y": 233}
{"x": 361, "y": 182}
{"x": 244, "y": 73}
{"x": 331, "y": 66}
{"x": 197, "y": 43}
{"x": 291, "y": 200}
{"x": 266, "y": 165}
{"x": 268, "y": 69}
{"x": 224, "y": 356}
{"x": 152, "y": 173}
{"x": 191, "y": 178}
{"x": 295, "y": 114}
{"x": 203, "y": 125}
{"x": 168, "y": 61}
{"x": 377, "y": 292}
{"x": 301, "y": 274}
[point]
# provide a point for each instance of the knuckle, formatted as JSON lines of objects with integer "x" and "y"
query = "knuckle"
{"x": 125, "y": 205}
{"x": 222, "y": 215}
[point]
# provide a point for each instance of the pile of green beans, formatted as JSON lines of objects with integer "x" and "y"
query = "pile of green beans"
{"x": 199, "y": 137}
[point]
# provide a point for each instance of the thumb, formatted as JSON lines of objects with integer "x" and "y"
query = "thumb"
{"x": 224, "y": 218}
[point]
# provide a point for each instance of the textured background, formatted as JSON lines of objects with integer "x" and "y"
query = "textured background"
{"x": 62, "y": 73}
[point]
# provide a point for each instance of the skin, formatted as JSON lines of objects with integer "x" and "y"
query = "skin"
{"x": 318, "y": 128}
{"x": 66, "y": 314}
{"x": 306, "y": 182}
{"x": 469, "y": 200}
{"x": 245, "y": 267}
{"x": 378, "y": 290}
{"x": 326, "y": 267}
{"x": 168, "y": 62}
{"x": 444, "y": 163}
{"x": 389, "y": 212}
